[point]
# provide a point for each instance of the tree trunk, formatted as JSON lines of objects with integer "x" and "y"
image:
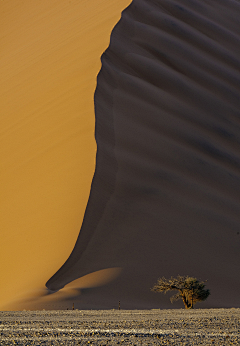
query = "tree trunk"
{"x": 185, "y": 301}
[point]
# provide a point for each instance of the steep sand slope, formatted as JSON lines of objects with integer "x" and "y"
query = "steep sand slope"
{"x": 165, "y": 195}
{"x": 50, "y": 57}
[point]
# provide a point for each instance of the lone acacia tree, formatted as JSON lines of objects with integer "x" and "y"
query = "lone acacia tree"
{"x": 190, "y": 290}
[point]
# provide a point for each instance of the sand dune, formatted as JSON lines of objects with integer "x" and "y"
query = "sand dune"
{"x": 165, "y": 194}
{"x": 50, "y": 57}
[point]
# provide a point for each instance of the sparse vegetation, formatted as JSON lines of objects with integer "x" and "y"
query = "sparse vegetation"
{"x": 190, "y": 290}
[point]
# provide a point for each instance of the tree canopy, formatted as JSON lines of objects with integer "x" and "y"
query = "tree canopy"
{"x": 190, "y": 290}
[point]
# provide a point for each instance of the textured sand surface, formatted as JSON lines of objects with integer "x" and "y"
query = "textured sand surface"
{"x": 165, "y": 194}
{"x": 136, "y": 327}
{"x": 50, "y": 57}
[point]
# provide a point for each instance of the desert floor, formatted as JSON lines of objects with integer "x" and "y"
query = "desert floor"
{"x": 124, "y": 327}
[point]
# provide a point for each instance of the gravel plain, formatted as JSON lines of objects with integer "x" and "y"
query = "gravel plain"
{"x": 124, "y": 327}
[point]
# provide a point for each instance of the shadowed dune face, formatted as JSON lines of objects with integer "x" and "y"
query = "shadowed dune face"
{"x": 165, "y": 194}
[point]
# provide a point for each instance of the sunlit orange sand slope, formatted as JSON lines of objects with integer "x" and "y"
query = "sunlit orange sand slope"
{"x": 50, "y": 57}
{"x": 166, "y": 190}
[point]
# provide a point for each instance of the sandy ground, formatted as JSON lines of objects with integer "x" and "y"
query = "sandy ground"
{"x": 124, "y": 327}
